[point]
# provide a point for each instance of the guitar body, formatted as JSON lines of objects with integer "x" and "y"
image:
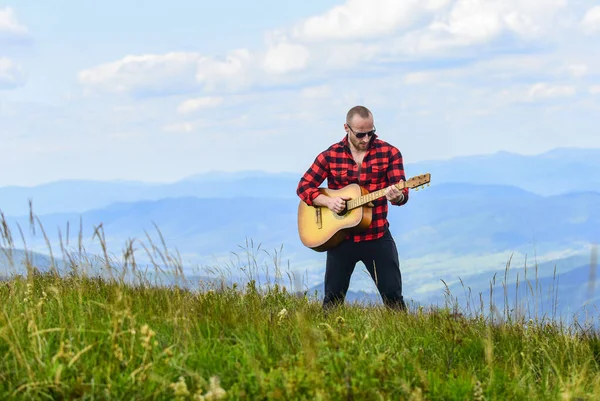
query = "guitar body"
{"x": 321, "y": 229}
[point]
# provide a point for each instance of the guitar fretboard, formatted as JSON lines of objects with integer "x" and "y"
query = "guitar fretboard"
{"x": 364, "y": 199}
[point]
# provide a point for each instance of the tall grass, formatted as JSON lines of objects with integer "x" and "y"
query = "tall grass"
{"x": 99, "y": 328}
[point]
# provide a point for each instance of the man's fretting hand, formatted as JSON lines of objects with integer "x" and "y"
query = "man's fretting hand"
{"x": 393, "y": 194}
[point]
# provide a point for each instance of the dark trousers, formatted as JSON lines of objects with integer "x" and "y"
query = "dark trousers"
{"x": 380, "y": 256}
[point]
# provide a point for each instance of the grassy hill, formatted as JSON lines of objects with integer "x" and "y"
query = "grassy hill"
{"x": 123, "y": 334}
{"x": 83, "y": 338}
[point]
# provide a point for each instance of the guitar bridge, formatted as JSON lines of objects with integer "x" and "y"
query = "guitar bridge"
{"x": 318, "y": 218}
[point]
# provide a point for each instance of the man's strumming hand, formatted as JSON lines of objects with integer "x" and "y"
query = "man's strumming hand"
{"x": 337, "y": 204}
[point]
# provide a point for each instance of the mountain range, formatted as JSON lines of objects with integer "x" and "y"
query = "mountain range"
{"x": 479, "y": 212}
{"x": 559, "y": 171}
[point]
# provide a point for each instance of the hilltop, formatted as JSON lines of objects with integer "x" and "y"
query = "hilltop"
{"x": 103, "y": 339}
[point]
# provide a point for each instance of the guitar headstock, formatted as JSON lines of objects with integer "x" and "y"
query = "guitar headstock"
{"x": 419, "y": 181}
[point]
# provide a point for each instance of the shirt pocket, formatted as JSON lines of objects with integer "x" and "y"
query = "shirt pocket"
{"x": 378, "y": 172}
{"x": 339, "y": 174}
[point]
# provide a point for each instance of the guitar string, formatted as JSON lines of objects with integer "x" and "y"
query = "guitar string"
{"x": 363, "y": 199}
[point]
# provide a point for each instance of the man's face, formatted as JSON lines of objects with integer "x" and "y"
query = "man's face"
{"x": 360, "y": 126}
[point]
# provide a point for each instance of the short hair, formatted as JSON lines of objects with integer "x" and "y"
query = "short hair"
{"x": 362, "y": 111}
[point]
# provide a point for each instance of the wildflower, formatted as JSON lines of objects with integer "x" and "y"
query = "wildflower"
{"x": 180, "y": 388}
{"x": 416, "y": 394}
{"x": 147, "y": 334}
{"x": 168, "y": 354}
{"x": 118, "y": 352}
{"x": 215, "y": 391}
{"x": 42, "y": 299}
{"x": 28, "y": 294}
{"x": 282, "y": 314}
{"x": 478, "y": 392}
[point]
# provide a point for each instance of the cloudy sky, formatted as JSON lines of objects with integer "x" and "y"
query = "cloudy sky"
{"x": 117, "y": 90}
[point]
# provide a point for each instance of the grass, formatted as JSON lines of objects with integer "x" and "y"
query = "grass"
{"x": 75, "y": 335}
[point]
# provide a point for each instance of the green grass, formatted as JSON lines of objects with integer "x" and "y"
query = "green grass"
{"x": 75, "y": 336}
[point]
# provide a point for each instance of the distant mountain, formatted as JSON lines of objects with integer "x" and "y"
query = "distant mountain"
{"x": 459, "y": 218}
{"x": 556, "y": 172}
{"x": 444, "y": 221}
{"x": 477, "y": 211}
{"x": 563, "y": 288}
{"x": 219, "y": 176}
{"x": 71, "y": 196}
{"x": 14, "y": 261}
{"x": 81, "y": 196}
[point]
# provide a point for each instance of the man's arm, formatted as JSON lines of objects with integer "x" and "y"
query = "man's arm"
{"x": 308, "y": 187}
{"x": 396, "y": 174}
{"x": 309, "y": 183}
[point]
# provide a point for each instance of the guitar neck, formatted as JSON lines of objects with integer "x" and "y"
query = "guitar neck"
{"x": 364, "y": 199}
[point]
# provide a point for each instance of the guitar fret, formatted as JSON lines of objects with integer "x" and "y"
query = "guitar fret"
{"x": 364, "y": 199}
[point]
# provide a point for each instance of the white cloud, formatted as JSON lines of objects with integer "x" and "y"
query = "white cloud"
{"x": 595, "y": 90}
{"x": 546, "y": 91}
{"x": 179, "y": 127}
{"x": 12, "y": 75}
{"x": 231, "y": 74}
{"x": 176, "y": 72}
{"x": 591, "y": 20}
{"x": 284, "y": 57}
{"x": 476, "y": 22}
{"x": 347, "y": 55}
{"x": 365, "y": 33}
{"x": 10, "y": 27}
{"x": 358, "y": 19}
{"x": 143, "y": 73}
{"x": 578, "y": 70}
{"x": 191, "y": 105}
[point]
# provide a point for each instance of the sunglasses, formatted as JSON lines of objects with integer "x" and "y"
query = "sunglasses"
{"x": 360, "y": 135}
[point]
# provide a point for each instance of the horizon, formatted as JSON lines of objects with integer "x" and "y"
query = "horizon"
{"x": 192, "y": 175}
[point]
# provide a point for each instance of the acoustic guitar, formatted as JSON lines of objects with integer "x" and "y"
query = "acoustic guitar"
{"x": 321, "y": 229}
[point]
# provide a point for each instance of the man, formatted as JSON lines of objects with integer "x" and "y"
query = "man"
{"x": 360, "y": 157}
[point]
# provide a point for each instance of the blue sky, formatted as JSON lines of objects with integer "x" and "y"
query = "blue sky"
{"x": 117, "y": 90}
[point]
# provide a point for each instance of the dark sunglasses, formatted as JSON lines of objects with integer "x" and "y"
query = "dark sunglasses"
{"x": 360, "y": 135}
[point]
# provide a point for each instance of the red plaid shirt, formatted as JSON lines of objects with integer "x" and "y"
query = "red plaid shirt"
{"x": 382, "y": 166}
